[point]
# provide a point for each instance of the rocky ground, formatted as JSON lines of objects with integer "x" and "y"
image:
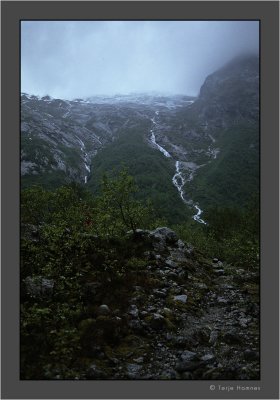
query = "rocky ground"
{"x": 199, "y": 320}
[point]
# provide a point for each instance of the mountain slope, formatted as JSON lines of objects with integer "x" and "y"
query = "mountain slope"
{"x": 209, "y": 144}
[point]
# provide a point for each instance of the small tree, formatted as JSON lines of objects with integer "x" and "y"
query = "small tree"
{"x": 118, "y": 208}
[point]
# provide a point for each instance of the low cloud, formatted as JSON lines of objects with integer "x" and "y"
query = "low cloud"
{"x": 69, "y": 59}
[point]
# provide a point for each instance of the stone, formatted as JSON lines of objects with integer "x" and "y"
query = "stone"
{"x": 180, "y": 244}
{"x": 39, "y": 286}
{"x": 208, "y": 358}
{"x": 172, "y": 274}
{"x": 134, "y": 312}
{"x": 213, "y": 337}
{"x": 215, "y": 260}
{"x": 188, "y": 355}
{"x": 171, "y": 263}
{"x": 222, "y": 300}
{"x": 251, "y": 355}
{"x": 133, "y": 370}
{"x": 160, "y": 293}
{"x": 94, "y": 372}
{"x": 182, "y": 298}
{"x": 168, "y": 374}
{"x": 103, "y": 310}
{"x": 243, "y": 322}
{"x": 143, "y": 314}
{"x": 201, "y": 286}
{"x": 183, "y": 366}
{"x": 169, "y": 235}
{"x": 186, "y": 375}
{"x": 136, "y": 325}
{"x": 139, "y": 360}
{"x": 232, "y": 337}
{"x": 219, "y": 272}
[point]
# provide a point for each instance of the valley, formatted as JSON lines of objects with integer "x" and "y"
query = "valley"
{"x": 140, "y": 250}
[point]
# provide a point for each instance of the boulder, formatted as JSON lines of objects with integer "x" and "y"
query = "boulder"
{"x": 182, "y": 298}
{"x": 188, "y": 355}
{"x": 103, "y": 310}
{"x": 165, "y": 233}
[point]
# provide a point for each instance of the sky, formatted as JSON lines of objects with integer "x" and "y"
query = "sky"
{"x": 70, "y": 59}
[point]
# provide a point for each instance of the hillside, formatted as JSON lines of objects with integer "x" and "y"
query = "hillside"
{"x": 140, "y": 234}
{"x": 214, "y": 139}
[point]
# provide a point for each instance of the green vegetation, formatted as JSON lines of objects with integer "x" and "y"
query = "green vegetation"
{"x": 71, "y": 241}
{"x": 76, "y": 253}
{"x": 231, "y": 179}
{"x": 151, "y": 170}
{"x": 231, "y": 234}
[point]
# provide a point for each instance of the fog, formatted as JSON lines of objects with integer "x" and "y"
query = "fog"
{"x": 69, "y": 59}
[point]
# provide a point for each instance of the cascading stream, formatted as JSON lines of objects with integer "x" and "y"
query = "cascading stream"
{"x": 85, "y": 157}
{"x": 178, "y": 179}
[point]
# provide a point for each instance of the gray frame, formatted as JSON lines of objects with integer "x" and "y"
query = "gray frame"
{"x": 268, "y": 14}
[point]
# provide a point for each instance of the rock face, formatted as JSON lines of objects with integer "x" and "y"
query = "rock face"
{"x": 231, "y": 94}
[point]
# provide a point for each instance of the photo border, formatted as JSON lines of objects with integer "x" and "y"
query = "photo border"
{"x": 268, "y": 14}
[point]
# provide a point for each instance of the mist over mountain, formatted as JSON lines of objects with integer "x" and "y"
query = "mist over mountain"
{"x": 70, "y": 59}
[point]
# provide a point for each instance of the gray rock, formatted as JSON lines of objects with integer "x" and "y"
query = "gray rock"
{"x": 172, "y": 275}
{"x": 180, "y": 244}
{"x": 182, "y": 298}
{"x": 133, "y": 370}
{"x": 160, "y": 293}
{"x": 171, "y": 263}
{"x": 94, "y": 372}
{"x": 208, "y": 358}
{"x": 251, "y": 355}
{"x": 139, "y": 360}
{"x": 183, "y": 366}
{"x": 136, "y": 325}
{"x": 201, "y": 285}
{"x": 243, "y": 322}
{"x": 215, "y": 260}
{"x": 39, "y": 286}
{"x": 188, "y": 355}
{"x": 186, "y": 375}
{"x": 134, "y": 312}
{"x": 169, "y": 235}
{"x": 222, "y": 300}
{"x": 103, "y": 310}
{"x": 213, "y": 337}
{"x": 169, "y": 374}
{"x": 232, "y": 337}
{"x": 219, "y": 272}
